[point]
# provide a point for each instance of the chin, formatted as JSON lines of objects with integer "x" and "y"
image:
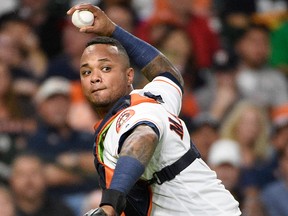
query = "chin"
{"x": 102, "y": 104}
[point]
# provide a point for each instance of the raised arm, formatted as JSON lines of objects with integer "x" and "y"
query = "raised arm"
{"x": 146, "y": 57}
{"x": 139, "y": 145}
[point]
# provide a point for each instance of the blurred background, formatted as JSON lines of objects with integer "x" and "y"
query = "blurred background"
{"x": 232, "y": 54}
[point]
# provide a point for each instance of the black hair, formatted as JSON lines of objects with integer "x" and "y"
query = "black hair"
{"x": 251, "y": 27}
{"x": 109, "y": 41}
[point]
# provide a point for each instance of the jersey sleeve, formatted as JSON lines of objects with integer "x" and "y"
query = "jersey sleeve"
{"x": 143, "y": 114}
{"x": 170, "y": 92}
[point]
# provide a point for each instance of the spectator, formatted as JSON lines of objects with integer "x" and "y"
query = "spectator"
{"x": 279, "y": 123}
{"x": 279, "y": 41}
{"x": 270, "y": 12}
{"x": 143, "y": 8}
{"x": 20, "y": 51}
{"x": 225, "y": 159}
{"x": 123, "y": 15}
{"x": 7, "y": 6}
{"x": 279, "y": 135}
{"x": 256, "y": 81}
{"x": 275, "y": 195}
{"x": 28, "y": 185}
{"x": 104, "y": 4}
{"x": 234, "y": 16}
{"x": 204, "y": 132}
{"x": 67, "y": 152}
{"x": 45, "y": 20}
{"x": 67, "y": 65}
{"x": 186, "y": 14}
{"x": 220, "y": 92}
{"x": 32, "y": 60}
{"x": 247, "y": 124}
{"x": 6, "y": 202}
{"x": 14, "y": 123}
{"x": 176, "y": 45}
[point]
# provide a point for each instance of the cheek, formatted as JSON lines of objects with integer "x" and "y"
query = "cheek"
{"x": 19, "y": 184}
{"x": 119, "y": 85}
{"x": 85, "y": 87}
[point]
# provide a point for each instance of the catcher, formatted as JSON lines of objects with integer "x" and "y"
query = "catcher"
{"x": 143, "y": 153}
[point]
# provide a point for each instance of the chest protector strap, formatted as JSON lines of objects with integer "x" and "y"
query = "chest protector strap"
{"x": 171, "y": 171}
{"x": 139, "y": 198}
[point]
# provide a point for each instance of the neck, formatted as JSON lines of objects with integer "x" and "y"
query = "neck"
{"x": 101, "y": 112}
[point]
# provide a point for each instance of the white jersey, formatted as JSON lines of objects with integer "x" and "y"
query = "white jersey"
{"x": 195, "y": 191}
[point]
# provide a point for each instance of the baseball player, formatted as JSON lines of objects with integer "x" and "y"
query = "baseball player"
{"x": 143, "y": 153}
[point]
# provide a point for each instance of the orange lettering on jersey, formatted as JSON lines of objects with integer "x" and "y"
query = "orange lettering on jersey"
{"x": 125, "y": 116}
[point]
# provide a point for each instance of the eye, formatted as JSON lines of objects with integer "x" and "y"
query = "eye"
{"x": 85, "y": 72}
{"x": 106, "y": 69}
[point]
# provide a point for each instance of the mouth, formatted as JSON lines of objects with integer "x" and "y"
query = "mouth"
{"x": 96, "y": 90}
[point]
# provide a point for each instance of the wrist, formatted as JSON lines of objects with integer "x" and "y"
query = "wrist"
{"x": 112, "y": 28}
{"x": 127, "y": 172}
{"x": 114, "y": 198}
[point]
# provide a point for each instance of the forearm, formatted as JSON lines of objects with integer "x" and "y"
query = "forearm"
{"x": 135, "y": 154}
{"x": 140, "y": 144}
{"x": 141, "y": 53}
{"x": 146, "y": 57}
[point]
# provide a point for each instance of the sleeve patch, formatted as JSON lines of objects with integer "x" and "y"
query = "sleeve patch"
{"x": 124, "y": 117}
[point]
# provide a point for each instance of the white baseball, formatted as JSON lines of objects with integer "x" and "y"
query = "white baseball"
{"x": 81, "y": 18}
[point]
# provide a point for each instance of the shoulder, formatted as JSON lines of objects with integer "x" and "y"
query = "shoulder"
{"x": 170, "y": 91}
{"x": 143, "y": 111}
{"x": 166, "y": 80}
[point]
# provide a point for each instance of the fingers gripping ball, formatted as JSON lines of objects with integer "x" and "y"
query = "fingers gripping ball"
{"x": 82, "y": 18}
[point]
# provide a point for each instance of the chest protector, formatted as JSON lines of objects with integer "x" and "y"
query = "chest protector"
{"x": 139, "y": 198}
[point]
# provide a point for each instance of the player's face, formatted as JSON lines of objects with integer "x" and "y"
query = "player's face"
{"x": 104, "y": 74}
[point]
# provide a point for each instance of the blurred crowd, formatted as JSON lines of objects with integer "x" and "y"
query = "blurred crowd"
{"x": 232, "y": 54}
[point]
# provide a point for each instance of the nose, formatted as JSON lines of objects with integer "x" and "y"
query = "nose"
{"x": 96, "y": 77}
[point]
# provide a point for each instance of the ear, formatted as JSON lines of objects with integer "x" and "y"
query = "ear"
{"x": 130, "y": 75}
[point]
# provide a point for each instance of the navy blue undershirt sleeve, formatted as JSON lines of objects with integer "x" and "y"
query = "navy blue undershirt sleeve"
{"x": 127, "y": 172}
{"x": 128, "y": 169}
{"x": 140, "y": 52}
